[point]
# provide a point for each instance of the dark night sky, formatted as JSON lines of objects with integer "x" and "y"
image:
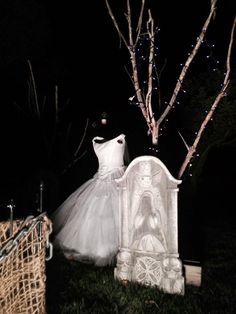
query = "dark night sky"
{"x": 78, "y": 48}
{"x": 75, "y": 46}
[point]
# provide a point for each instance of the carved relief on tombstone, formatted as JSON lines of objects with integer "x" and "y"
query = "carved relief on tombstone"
{"x": 148, "y": 226}
{"x": 147, "y": 233}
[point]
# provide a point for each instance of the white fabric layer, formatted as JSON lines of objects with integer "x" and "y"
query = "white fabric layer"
{"x": 86, "y": 223}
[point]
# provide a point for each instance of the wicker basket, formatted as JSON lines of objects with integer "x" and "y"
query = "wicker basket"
{"x": 23, "y": 248}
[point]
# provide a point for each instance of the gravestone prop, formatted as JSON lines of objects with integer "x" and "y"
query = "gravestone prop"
{"x": 149, "y": 226}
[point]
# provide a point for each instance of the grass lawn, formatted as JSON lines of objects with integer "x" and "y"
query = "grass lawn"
{"x": 74, "y": 287}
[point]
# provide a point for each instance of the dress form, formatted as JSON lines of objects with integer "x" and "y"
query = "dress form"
{"x": 86, "y": 223}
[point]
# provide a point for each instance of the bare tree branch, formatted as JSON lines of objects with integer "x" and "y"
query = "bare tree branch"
{"x": 36, "y": 103}
{"x": 215, "y": 104}
{"x": 144, "y": 98}
{"x": 185, "y": 143}
{"x": 139, "y": 26}
{"x": 148, "y": 100}
{"x": 116, "y": 24}
{"x": 75, "y": 157}
{"x": 188, "y": 62}
{"x": 83, "y": 137}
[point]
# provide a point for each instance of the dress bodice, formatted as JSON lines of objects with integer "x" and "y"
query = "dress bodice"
{"x": 110, "y": 154}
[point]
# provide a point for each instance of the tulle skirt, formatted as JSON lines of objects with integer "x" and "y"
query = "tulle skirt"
{"x": 86, "y": 225}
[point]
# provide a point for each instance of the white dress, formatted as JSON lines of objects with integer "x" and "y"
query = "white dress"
{"x": 86, "y": 223}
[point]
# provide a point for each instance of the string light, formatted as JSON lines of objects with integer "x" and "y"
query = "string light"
{"x": 142, "y": 57}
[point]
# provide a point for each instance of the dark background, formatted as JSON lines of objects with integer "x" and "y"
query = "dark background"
{"x": 74, "y": 46}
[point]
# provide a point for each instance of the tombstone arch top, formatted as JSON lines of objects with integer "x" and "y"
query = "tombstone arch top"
{"x": 150, "y": 166}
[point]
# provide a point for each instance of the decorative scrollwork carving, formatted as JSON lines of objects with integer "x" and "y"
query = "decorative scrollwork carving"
{"x": 147, "y": 271}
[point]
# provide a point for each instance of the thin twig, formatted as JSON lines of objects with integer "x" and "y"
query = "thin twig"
{"x": 34, "y": 90}
{"x": 83, "y": 137}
